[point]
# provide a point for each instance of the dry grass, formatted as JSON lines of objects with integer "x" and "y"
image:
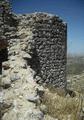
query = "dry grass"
{"x": 63, "y": 108}
{"x": 76, "y": 82}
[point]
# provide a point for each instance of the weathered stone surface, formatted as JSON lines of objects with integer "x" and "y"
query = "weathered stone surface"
{"x": 6, "y": 83}
{"x": 32, "y": 98}
{"x": 40, "y": 91}
{"x": 43, "y": 108}
{"x": 34, "y": 115}
{"x": 14, "y": 77}
{"x": 33, "y": 46}
{"x": 47, "y": 47}
{"x": 5, "y": 65}
{"x": 11, "y": 115}
{"x": 26, "y": 56}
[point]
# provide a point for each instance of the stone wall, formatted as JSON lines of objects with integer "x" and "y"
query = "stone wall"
{"x": 48, "y": 47}
{"x": 36, "y": 41}
{"x": 8, "y": 26}
{"x": 50, "y": 40}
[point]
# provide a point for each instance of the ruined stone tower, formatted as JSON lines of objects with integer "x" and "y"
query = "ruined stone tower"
{"x": 32, "y": 49}
{"x": 47, "y": 47}
{"x": 50, "y": 43}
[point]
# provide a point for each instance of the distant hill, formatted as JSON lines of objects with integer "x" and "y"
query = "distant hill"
{"x": 75, "y": 64}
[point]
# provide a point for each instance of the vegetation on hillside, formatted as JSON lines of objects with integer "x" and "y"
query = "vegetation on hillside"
{"x": 64, "y": 106}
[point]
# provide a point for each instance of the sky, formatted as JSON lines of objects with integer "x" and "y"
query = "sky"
{"x": 71, "y": 11}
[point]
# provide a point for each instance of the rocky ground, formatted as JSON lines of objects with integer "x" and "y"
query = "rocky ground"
{"x": 76, "y": 82}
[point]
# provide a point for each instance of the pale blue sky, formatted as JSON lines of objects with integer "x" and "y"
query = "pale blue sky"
{"x": 71, "y": 11}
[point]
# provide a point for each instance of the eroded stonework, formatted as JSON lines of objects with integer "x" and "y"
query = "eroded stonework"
{"x": 47, "y": 47}
{"x": 36, "y": 52}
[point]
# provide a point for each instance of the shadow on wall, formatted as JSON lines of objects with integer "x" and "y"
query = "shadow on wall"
{"x": 3, "y": 57}
{"x": 34, "y": 63}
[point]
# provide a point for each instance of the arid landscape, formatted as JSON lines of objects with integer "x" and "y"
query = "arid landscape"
{"x": 73, "y": 104}
{"x": 38, "y": 80}
{"x": 75, "y": 72}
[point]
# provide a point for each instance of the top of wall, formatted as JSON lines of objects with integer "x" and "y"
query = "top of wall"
{"x": 38, "y": 16}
